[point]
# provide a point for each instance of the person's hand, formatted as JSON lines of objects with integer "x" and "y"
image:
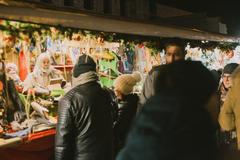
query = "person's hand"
{"x": 40, "y": 109}
{"x": 19, "y": 116}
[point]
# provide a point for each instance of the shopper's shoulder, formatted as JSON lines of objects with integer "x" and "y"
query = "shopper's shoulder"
{"x": 163, "y": 103}
{"x": 132, "y": 97}
{"x": 135, "y": 97}
{"x": 72, "y": 98}
{"x": 73, "y": 94}
{"x": 156, "y": 69}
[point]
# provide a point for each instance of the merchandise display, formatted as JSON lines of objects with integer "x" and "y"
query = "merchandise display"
{"x": 30, "y": 90}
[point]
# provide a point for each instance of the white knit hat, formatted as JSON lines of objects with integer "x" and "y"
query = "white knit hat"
{"x": 126, "y": 82}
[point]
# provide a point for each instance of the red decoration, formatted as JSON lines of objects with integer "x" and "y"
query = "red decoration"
{"x": 230, "y": 54}
{"x": 1, "y": 86}
{"x": 22, "y": 66}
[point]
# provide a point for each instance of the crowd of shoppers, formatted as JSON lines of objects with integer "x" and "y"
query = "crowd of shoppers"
{"x": 183, "y": 113}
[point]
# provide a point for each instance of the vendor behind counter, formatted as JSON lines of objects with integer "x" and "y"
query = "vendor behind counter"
{"x": 42, "y": 74}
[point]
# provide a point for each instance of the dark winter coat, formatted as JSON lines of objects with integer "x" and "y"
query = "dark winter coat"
{"x": 126, "y": 114}
{"x": 171, "y": 128}
{"x": 150, "y": 83}
{"x": 84, "y": 130}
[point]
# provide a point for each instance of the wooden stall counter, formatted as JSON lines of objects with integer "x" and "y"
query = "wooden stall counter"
{"x": 36, "y": 146}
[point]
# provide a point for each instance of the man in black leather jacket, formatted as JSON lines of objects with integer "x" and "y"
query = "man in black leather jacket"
{"x": 84, "y": 129}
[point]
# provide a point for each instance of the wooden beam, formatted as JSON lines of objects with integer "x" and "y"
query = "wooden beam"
{"x": 79, "y": 19}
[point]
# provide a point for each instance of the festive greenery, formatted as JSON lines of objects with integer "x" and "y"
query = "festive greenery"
{"x": 33, "y": 32}
{"x": 210, "y": 45}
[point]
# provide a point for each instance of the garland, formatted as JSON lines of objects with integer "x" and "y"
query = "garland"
{"x": 35, "y": 32}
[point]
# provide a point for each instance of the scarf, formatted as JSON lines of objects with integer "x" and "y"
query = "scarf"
{"x": 84, "y": 78}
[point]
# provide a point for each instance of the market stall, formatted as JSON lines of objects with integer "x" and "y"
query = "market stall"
{"x": 27, "y": 126}
{"x": 40, "y": 144}
{"x": 23, "y": 44}
{"x": 28, "y": 117}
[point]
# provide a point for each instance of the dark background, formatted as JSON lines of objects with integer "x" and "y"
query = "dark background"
{"x": 228, "y": 10}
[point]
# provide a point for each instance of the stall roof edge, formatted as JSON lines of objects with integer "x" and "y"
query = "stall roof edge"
{"x": 20, "y": 11}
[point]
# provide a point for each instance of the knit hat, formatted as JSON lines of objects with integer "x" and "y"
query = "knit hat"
{"x": 85, "y": 64}
{"x": 126, "y": 82}
{"x": 229, "y": 68}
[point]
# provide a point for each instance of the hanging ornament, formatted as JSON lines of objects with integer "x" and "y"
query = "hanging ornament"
{"x": 141, "y": 45}
{"x": 2, "y": 22}
{"x": 8, "y": 40}
{"x": 23, "y": 71}
{"x": 1, "y": 86}
{"x": 76, "y": 36}
{"x": 230, "y": 53}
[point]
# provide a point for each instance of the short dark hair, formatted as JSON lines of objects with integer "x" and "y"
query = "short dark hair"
{"x": 175, "y": 42}
{"x": 187, "y": 78}
{"x": 229, "y": 68}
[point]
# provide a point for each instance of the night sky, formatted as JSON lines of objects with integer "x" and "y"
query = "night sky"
{"x": 228, "y": 10}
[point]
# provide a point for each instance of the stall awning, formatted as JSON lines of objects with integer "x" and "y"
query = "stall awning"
{"x": 33, "y": 13}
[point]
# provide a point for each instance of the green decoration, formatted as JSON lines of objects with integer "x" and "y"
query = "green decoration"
{"x": 57, "y": 93}
{"x": 109, "y": 70}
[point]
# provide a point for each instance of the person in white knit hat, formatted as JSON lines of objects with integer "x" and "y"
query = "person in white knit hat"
{"x": 124, "y": 84}
{"x": 127, "y": 106}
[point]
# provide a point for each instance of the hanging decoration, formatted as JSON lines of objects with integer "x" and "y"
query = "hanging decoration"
{"x": 61, "y": 41}
{"x": 23, "y": 71}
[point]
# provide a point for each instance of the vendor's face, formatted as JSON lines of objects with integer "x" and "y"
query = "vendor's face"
{"x": 227, "y": 80}
{"x": 45, "y": 63}
{"x": 173, "y": 53}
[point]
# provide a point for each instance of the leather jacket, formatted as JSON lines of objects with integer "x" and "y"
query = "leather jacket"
{"x": 84, "y": 129}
